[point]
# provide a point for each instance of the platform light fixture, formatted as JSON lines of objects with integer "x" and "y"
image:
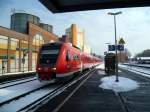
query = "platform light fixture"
{"x": 114, "y": 14}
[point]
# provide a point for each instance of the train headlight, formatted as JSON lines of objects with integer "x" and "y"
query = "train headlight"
{"x": 39, "y": 68}
{"x": 53, "y": 69}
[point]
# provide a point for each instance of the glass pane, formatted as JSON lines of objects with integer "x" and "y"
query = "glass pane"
{"x": 14, "y": 55}
{"x": 3, "y": 54}
{"x": 24, "y": 50}
{"x": 37, "y": 42}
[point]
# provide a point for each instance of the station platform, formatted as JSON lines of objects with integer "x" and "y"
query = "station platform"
{"x": 16, "y": 75}
{"x": 91, "y": 98}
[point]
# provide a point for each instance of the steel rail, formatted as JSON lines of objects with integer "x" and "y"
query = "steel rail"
{"x": 43, "y": 100}
{"x": 139, "y": 70}
{"x": 72, "y": 93}
{"x": 22, "y": 95}
{"x": 18, "y": 82}
{"x": 142, "y": 66}
{"x": 14, "y": 80}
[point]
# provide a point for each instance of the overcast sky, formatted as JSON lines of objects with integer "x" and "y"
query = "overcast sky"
{"x": 133, "y": 24}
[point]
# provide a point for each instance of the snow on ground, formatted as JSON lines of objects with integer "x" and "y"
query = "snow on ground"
{"x": 101, "y": 66}
{"x": 13, "y": 91}
{"x": 16, "y": 105}
{"x": 137, "y": 70}
{"x": 124, "y": 84}
{"x": 4, "y": 92}
{"x": 100, "y": 72}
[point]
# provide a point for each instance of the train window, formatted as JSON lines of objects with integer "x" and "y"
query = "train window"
{"x": 49, "y": 55}
{"x": 68, "y": 56}
{"x": 76, "y": 57}
{"x": 51, "y": 46}
{"x": 50, "y": 51}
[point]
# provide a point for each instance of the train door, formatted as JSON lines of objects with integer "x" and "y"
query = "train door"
{"x": 74, "y": 60}
{"x": 68, "y": 60}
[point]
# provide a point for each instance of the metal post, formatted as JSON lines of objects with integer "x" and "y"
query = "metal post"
{"x": 3, "y": 67}
{"x": 116, "y": 64}
{"x": 116, "y": 49}
{"x": 23, "y": 67}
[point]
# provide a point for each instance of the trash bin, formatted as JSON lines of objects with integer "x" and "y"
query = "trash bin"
{"x": 110, "y": 61}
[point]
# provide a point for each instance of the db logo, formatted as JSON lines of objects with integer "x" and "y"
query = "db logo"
{"x": 68, "y": 66}
{"x": 45, "y": 69}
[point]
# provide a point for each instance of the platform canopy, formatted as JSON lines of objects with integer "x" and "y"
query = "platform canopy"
{"x": 58, "y": 6}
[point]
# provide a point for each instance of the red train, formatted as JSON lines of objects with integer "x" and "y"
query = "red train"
{"x": 59, "y": 60}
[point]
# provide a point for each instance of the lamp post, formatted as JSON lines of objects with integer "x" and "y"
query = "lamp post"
{"x": 114, "y": 14}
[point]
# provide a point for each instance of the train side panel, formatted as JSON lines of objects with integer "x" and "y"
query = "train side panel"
{"x": 68, "y": 61}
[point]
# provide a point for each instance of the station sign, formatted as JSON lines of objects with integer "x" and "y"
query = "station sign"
{"x": 118, "y": 47}
{"x": 111, "y": 47}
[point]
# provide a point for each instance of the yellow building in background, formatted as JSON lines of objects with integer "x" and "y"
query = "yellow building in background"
{"x": 76, "y": 36}
{"x": 71, "y": 32}
{"x": 87, "y": 49}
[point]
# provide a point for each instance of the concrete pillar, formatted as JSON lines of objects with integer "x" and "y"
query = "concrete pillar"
{"x": 19, "y": 62}
{"x": 30, "y": 53}
{"x": 8, "y": 55}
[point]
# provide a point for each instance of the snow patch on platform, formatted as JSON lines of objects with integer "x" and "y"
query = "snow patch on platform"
{"x": 101, "y": 66}
{"x": 124, "y": 84}
{"x": 101, "y": 72}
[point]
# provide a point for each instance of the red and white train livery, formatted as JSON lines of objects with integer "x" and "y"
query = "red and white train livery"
{"x": 59, "y": 60}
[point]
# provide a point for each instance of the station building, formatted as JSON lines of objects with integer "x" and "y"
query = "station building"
{"x": 122, "y": 57}
{"x": 19, "y": 45}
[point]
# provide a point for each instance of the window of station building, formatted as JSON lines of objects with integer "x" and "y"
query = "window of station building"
{"x": 36, "y": 20}
{"x": 70, "y": 40}
{"x": 24, "y": 55}
{"x": 49, "y": 29}
{"x": 30, "y": 18}
{"x": 21, "y": 17}
{"x": 14, "y": 55}
{"x": 3, "y": 54}
{"x": 37, "y": 42}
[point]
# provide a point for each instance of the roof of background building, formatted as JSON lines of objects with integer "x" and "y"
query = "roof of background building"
{"x": 11, "y": 33}
{"x": 57, "y": 6}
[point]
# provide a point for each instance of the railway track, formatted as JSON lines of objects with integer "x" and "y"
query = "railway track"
{"x": 138, "y": 69}
{"x": 31, "y": 100}
{"x": 137, "y": 65}
{"x": 17, "y": 82}
{"x": 72, "y": 93}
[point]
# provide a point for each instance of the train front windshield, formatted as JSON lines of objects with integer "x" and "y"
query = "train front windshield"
{"x": 49, "y": 54}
